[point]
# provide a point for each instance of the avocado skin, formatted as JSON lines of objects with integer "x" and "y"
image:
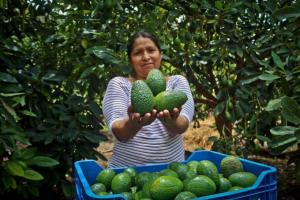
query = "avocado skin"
{"x": 156, "y": 81}
{"x": 142, "y": 99}
{"x": 168, "y": 100}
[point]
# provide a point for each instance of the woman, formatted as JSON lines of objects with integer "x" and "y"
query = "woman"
{"x": 157, "y": 136}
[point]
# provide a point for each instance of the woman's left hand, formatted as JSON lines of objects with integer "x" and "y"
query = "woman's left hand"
{"x": 174, "y": 122}
{"x": 169, "y": 117}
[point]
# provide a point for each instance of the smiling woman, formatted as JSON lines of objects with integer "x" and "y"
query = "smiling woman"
{"x": 152, "y": 137}
{"x": 144, "y": 55}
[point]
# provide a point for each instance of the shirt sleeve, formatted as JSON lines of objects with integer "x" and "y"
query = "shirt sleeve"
{"x": 115, "y": 101}
{"x": 188, "y": 108}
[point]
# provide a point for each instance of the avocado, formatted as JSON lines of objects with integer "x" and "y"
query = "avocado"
{"x": 168, "y": 100}
{"x": 142, "y": 99}
{"x": 242, "y": 179}
{"x": 156, "y": 81}
{"x": 230, "y": 165}
{"x": 209, "y": 169}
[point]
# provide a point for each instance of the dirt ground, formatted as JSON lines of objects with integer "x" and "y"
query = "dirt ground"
{"x": 197, "y": 137}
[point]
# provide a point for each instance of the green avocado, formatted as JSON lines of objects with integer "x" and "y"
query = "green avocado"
{"x": 156, "y": 81}
{"x": 242, "y": 179}
{"x": 142, "y": 99}
{"x": 168, "y": 100}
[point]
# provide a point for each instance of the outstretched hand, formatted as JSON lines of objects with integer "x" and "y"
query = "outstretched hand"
{"x": 139, "y": 120}
{"x": 167, "y": 117}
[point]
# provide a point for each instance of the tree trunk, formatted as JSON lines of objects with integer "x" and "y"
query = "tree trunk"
{"x": 224, "y": 126}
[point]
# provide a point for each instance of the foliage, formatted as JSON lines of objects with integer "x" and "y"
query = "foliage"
{"x": 56, "y": 58}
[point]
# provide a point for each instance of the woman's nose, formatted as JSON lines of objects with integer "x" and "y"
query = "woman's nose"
{"x": 146, "y": 56}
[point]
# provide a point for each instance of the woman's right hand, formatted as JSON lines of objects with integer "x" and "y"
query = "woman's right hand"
{"x": 139, "y": 120}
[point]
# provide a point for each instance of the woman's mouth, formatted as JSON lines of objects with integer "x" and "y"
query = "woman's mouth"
{"x": 148, "y": 65}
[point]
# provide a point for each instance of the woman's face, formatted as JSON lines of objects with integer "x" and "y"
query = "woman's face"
{"x": 144, "y": 56}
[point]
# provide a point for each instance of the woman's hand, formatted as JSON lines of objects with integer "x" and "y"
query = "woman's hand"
{"x": 126, "y": 129}
{"x": 169, "y": 117}
{"x": 139, "y": 121}
{"x": 174, "y": 122}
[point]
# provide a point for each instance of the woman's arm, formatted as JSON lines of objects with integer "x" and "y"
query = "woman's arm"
{"x": 126, "y": 129}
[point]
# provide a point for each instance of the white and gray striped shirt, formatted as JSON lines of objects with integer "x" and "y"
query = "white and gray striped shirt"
{"x": 152, "y": 144}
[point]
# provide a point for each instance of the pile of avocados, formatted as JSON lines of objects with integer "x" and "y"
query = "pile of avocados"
{"x": 178, "y": 181}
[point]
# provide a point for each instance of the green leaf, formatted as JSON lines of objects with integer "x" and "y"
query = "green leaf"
{"x": 283, "y": 130}
{"x": 250, "y": 79}
{"x": 219, "y": 108}
{"x": 297, "y": 135}
{"x": 290, "y": 110}
{"x": 94, "y": 138}
{"x": 10, "y": 110}
{"x": 95, "y": 108}
{"x": 28, "y": 153}
{"x": 287, "y": 12}
{"x": 103, "y": 53}
{"x": 43, "y": 161}
{"x": 219, "y": 5}
{"x": 9, "y": 182}
{"x": 11, "y": 94}
{"x": 32, "y": 175}
{"x": 14, "y": 168}
{"x": 279, "y": 146}
{"x": 263, "y": 138}
{"x": 34, "y": 190}
{"x": 268, "y": 77}
{"x": 277, "y": 60}
{"x": 28, "y": 113}
{"x": 67, "y": 189}
{"x": 274, "y": 104}
{"x": 5, "y": 77}
{"x": 22, "y": 139}
{"x": 87, "y": 72}
{"x": 53, "y": 76}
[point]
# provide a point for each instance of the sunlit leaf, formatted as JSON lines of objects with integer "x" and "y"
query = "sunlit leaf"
{"x": 14, "y": 168}
{"x": 283, "y": 130}
{"x": 28, "y": 113}
{"x": 273, "y": 104}
{"x": 32, "y": 175}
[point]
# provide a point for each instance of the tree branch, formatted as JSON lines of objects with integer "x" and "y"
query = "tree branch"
{"x": 199, "y": 87}
{"x": 208, "y": 102}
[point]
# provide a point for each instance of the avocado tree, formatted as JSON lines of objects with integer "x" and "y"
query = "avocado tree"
{"x": 50, "y": 116}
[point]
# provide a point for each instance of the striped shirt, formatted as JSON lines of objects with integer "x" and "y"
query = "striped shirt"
{"x": 152, "y": 143}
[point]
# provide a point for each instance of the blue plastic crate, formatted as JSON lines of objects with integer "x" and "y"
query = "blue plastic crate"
{"x": 265, "y": 188}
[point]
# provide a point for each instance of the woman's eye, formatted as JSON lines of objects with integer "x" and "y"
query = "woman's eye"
{"x": 137, "y": 53}
{"x": 151, "y": 50}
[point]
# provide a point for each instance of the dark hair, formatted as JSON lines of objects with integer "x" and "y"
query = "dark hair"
{"x": 143, "y": 34}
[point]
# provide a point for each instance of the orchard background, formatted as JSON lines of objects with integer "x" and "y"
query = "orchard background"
{"x": 242, "y": 59}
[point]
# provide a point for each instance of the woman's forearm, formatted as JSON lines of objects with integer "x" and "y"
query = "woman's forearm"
{"x": 125, "y": 129}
